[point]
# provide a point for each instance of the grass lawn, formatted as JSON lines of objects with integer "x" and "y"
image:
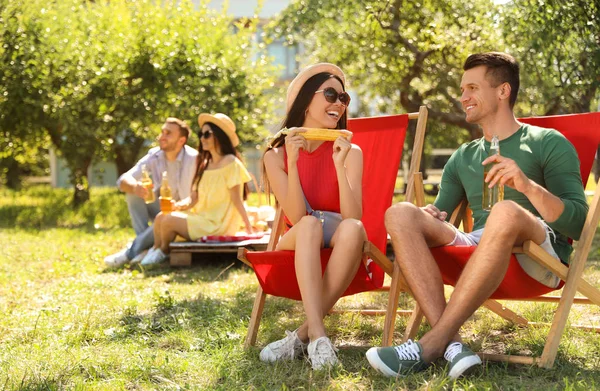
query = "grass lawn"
{"x": 68, "y": 323}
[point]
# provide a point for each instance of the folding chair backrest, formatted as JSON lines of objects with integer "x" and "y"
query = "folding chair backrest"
{"x": 381, "y": 140}
{"x": 583, "y": 131}
{"x": 580, "y": 129}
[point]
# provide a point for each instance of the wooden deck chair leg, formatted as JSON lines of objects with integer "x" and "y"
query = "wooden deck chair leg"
{"x": 413, "y": 323}
{"x": 393, "y": 298}
{"x": 257, "y": 310}
{"x": 504, "y": 312}
{"x": 570, "y": 288}
{"x": 573, "y": 280}
{"x": 558, "y": 326}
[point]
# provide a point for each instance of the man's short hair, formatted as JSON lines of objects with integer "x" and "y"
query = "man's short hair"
{"x": 184, "y": 129}
{"x": 501, "y": 68}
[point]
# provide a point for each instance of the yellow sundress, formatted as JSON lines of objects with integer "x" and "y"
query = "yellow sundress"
{"x": 215, "y": 213}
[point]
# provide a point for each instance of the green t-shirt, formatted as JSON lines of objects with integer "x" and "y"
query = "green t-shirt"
{"x": 544, "y": 155}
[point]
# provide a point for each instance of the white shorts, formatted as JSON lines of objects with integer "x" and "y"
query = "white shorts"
{"x": 531, "y": 267}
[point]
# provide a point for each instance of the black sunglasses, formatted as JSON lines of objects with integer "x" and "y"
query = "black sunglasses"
{"x": 206, "y": 134}
{"x": 331, "y": 96}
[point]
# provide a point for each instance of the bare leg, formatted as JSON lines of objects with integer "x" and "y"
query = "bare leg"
{"x": 484, "y": 272}
{"x": 413, "y": 231}
{"x": 170, "y": 227}
{"x": 342, "y": 266}
{"x": 306, "y": 238}
{"x": 157, "y": 227}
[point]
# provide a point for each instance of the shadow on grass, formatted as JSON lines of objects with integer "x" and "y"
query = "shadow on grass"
{"x": 30, "y": 216}
{"x": 254, "y": 374}
{"x": 213, "y": 267}
{"x": 170, "y": 316}
{"x": 202, "y": 315}
{"x": 39, "y": 207}
{"x": 31, "y": 383}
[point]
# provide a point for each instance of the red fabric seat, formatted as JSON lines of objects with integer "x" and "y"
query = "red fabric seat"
{"x": 516, "y": 284}
{"x": 230, "y": 238}
{"x": 581, "y": 131}
{"x": 381, "y": 140}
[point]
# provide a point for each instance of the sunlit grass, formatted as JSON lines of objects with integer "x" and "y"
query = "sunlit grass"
{"x": 68, "y": 323}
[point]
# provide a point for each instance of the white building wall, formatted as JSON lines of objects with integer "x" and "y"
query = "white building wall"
{"x": 241, "y": 8}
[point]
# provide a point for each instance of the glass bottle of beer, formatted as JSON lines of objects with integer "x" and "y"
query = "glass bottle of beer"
{"x": 148, "y": 185}
{"x": 496, "y": 193}
{"x": 166, "y": 206}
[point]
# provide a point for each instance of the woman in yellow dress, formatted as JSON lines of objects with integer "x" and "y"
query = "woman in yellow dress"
{"x": 216, "y": 205}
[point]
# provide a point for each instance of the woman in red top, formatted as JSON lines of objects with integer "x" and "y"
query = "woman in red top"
{"x": 309, "y": 178}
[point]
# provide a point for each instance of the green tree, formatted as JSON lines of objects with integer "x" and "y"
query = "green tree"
{"x": 398, "y": 55}
{"x": 558, "y": 45}
{"x": 107, "y": 74}
{"x": 22, "y": 145}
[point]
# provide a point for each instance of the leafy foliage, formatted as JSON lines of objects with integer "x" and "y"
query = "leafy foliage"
{"x": 104, "y": 75}
{"x": 399, "y": 55}
{"x": 558, "y": 44}
{"x": 21, "y": 146}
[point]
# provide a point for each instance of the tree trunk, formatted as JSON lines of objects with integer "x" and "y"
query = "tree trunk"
{"x": 13, "y": 174}
{"x": 585, "y": 104}
{"x": 79, "y": 179}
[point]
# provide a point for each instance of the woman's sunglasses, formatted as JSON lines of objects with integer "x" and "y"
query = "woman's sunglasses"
{"x": 206, "y": 134}
{"x": 331, "y": 96}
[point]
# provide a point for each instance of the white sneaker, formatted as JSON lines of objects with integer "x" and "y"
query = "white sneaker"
{"x": 138, "y": 258}
{"x": 154, "y": 258}
{"x": 321, "y": 353}
{"x": 288, "y": 348}
{"x": 152, "y": 249}
{"x": 461, "y": 360}
{"x": 117, "y": 260}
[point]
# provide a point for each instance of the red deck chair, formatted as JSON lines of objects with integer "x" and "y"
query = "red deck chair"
{"x": 381, "y": 140}
{"x": 583, "y": 131}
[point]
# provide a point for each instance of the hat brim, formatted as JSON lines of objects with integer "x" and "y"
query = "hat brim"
{"x": 225, "y": 126}
{"x": 306, "y": 74}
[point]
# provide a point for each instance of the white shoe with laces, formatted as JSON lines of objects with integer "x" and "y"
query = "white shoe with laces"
{"x": 401, "y": 360}
{"x": 461, "y": 360}
{"x": 288, "y": 348}
{"x": 321, "y": 353}
{"x": 117, "y": 260}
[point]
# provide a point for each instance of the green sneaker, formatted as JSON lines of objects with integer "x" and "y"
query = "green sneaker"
{"x": 461, "y": 360}
{"x": 398, "y": 360}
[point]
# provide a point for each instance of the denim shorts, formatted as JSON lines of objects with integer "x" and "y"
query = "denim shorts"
{"x": 531, "y": 267}
{"x": 329, "y": 221}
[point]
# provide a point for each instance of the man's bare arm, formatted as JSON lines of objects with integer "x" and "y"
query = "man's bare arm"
{"x": 130, "y": 185}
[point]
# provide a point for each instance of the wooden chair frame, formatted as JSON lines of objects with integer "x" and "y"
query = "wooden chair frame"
{"x": 572, "y": 276}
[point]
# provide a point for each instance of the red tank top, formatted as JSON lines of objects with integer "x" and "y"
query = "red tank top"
{"x": 318, "y": 177}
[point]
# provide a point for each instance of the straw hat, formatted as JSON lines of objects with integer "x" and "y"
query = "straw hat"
{"x": 306, "y": 74}
{"x": 223, "y": 122}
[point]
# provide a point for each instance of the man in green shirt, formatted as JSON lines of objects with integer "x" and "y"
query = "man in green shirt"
{"x": 543, "y": 202}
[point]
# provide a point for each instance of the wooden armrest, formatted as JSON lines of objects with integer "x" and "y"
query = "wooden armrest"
{"x": 241, "y": 255}
{"x": 378, "y": 257}
{"x": 538, "y": 254}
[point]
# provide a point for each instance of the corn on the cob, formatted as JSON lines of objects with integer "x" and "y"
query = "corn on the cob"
{"x": 321, "y": 134}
